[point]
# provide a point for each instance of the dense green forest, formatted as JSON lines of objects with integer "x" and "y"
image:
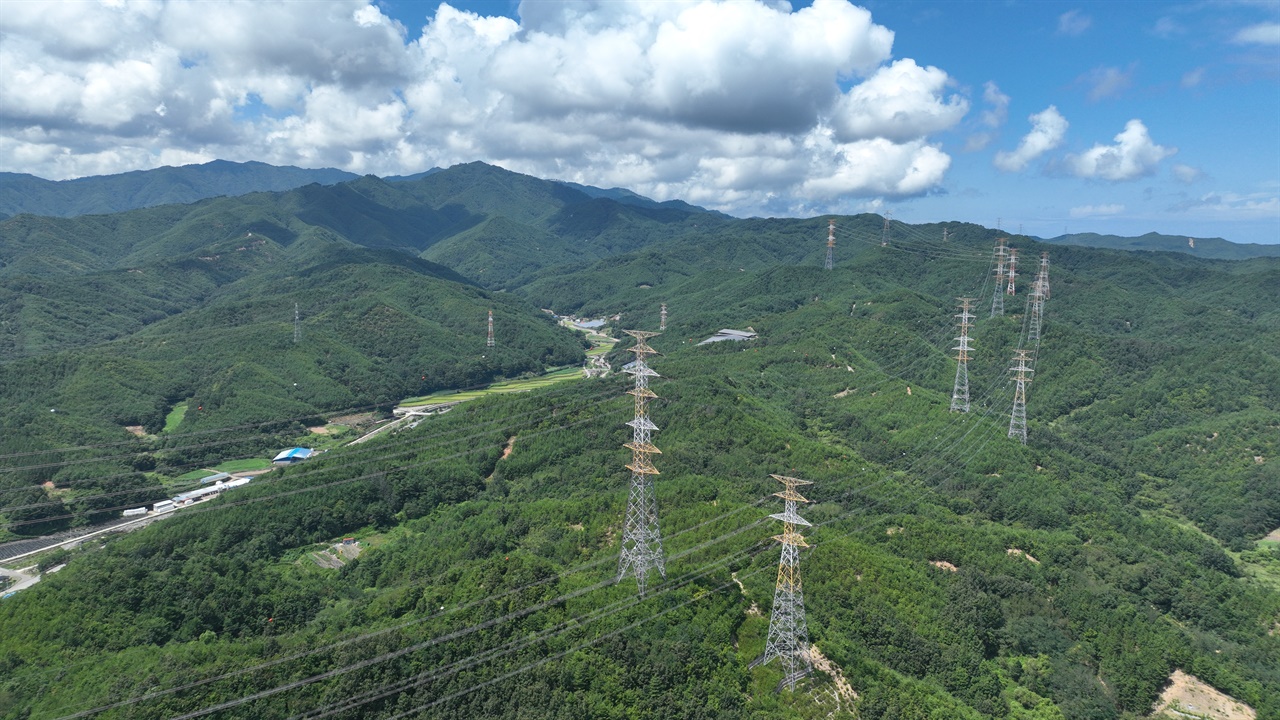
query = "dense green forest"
{"x": 954, "y": 573}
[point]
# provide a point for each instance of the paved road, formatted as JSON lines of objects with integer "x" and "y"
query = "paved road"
{"x": 22, "y": 579}
{"x": 23, "y": 547}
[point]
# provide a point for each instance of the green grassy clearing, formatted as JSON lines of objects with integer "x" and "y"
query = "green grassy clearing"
{"x": 174, "y": 418}
{"x": 233, "y": 466}
{"x": 509, "y": 386}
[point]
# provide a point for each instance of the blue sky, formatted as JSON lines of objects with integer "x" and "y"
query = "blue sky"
{"x": 1118, "y": 117}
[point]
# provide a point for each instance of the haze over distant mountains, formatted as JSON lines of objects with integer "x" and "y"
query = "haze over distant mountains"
{"x": 103, "y": 194}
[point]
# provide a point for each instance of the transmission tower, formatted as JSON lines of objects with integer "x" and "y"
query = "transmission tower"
{"x": 641, "y": 539}
{"x": 1035, "y": 310}
{"x": 960, "y": 392}
{"x": 884, "y": 234}
{"x": 788, "y": 635}
{"x": 1013, "y": 270}
{"x": 1043, "y": 276}
{"x": 297, "y": 324}
{"x": 997, "y": 299}
{"x": 489, "y": 342}
{"x": 662, "y": 323}
{"x": 1018, "y": 419}
{"x": 946, "y": 234}
{"x": 831, "y": 242}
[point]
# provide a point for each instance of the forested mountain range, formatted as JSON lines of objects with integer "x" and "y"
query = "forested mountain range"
{"x": 103, "y": 194}
{"x": 954, "y": 573}
{"x": 1200, "y": 247}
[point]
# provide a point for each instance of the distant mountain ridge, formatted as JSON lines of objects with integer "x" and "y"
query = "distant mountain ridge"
{"x": 1213, "y": 248}
{"x": 102, "y": 194}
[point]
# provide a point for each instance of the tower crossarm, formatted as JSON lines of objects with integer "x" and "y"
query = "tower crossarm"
{"x": 793, "y": 538}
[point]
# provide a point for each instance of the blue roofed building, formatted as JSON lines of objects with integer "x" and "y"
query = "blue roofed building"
{"x": 292, "y": 455}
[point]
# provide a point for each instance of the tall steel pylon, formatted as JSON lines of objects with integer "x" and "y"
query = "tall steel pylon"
{"x": 960, "y": 391}
{"x": 884, "y": 234}
{"x": 788, "y": 634}
{"x": 1035, "y": 311}
{"x": 489, "y": 342}
{"x": 1018, "y": 418}
{"x": 1043, "y": 276}
{"x": 997, "y": 299}
{"x": 831, "y": 242}
{"x": 662, "y": 322}
{"x": 297, "y": 324}
{"x": 1013, "y": 271}
{"x": 641, "y": 538}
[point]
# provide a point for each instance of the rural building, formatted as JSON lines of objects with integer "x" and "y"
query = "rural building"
{"x": 726, "y": 334}
{"x": 292, "y": 455}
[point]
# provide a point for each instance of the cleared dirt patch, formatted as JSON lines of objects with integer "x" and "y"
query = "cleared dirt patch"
{"x": 137, "y": 430}
{"x": 844, "y": 691}
{"x": 1274, "y": 536}
{"x": 511, "y": 444}
{"x": 1189, "y": 697}
{"x": 944, "y": 565}
{"x": 1016, "y": 551}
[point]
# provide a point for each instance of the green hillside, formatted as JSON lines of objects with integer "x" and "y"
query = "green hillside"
{"x": 954, "y": 572}
{"x": 451, "y": 208}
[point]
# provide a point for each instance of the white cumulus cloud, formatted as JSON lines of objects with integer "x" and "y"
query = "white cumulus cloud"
{"x": 734, "y": 104}
{"x": 1133, "y": 155}
{"x": 1048, "y": 128}
{"x": 1073, "y": 22}
{"x": 900, "y": 102}
{"x": 993, "y": 118}
{"x": 1105, "y": 82}
{"x": 1187, "y": 173}
{"x": 1083, "y": 211}
{"x": 1260, "y": 34}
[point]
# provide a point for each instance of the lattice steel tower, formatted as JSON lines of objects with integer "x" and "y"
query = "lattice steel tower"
{"x": 1035, "y": 311}
{"x": 884, "y": 234}
{"x": 1018, "y": 419}
{"x": 489, "y": 342}
{"x": 1013, "y": 271}
{"x": 788, "y": 635}
{"x": 1043, "y": 276}
{"x": 662, "y": 322}
{"x": 997, "y": 299}
{"x": 641, "y": 539}
{"x": 831, "y": 242}
{"x": 297, "y": 324}
{"x": 960, "y": 391}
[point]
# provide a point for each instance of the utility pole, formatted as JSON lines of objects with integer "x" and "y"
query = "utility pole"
{"x": 884, "y": 234}
{"x": 662, "y": 323}
{"x": 960, "y": 391}
{"x": 297, "y": 324}
{"x": 788, "y": 635}
{"x": 997, "y": 300}
{"x": 489, "y": 342}
{"x": 831, "y": 242}
{"x": 1018, "y": 419}
{"x": 641, "y": 539}
{"x": 1013, "y": 270}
